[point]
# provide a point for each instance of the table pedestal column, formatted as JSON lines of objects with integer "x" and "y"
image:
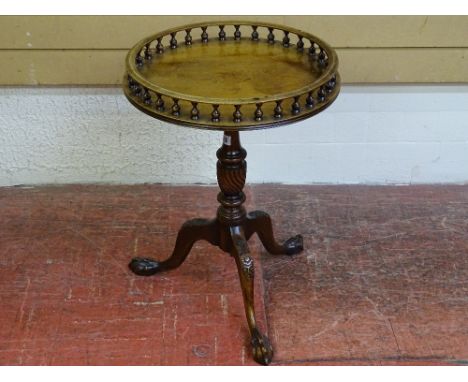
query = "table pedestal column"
{"x": 230, "y": 230}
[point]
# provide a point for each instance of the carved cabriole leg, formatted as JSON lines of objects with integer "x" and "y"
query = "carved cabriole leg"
{"x": 190, "y": 232}
{"x": 260, "y": 222}
{"x": 231, "y": 172}
{"x": 261, "y": 347}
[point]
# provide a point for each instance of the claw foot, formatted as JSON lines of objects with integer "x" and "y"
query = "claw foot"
{"x": 144, "y": 266}
{"x": 294, "y": 245}
{"x": 262, "y": 350}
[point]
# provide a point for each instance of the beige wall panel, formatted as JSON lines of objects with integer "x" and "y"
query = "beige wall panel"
{"x": 404, "y": 65}
{"x": 105, "y": 67}
{"x": 90, "y": 32}
{"x": 386, "y": 31}
{"x": 121, "y": 32}
{"x": 67, "y": 67}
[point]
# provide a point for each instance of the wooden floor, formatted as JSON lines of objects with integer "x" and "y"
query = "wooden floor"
{"x": 383, "y": 278}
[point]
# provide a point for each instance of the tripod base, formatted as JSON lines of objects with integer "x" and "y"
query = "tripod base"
{"x": 230, "y": 231}
{"x": 231, "y": 239}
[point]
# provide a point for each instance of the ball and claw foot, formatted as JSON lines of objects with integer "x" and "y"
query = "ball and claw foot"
{"x": 294, "y": 245}
{"x": 143, "y": 266}
{"x": 261, "y": 347}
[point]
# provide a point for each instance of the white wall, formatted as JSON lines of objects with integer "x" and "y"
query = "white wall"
{"x": 372, "y": 134}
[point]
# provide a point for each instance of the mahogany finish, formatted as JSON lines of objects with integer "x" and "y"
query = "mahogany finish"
{"x": 230, "y": 231}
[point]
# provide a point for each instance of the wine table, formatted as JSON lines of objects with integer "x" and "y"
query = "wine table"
{"x": 231, "y": 76}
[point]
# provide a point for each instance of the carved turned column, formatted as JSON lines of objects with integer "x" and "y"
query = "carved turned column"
{"x": 231, "y": 171}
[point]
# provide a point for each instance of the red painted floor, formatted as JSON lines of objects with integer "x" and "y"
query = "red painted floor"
{"x": 383, "y": 279}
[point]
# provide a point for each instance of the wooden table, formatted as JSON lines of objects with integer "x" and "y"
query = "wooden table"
{"x": 231, "y": 76}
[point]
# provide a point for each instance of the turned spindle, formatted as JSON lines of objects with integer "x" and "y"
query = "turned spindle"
{"x": 139, "y": 60}
{"x": 222, "y": 33}
{"x": 194, "y": 113}
{"x": 271, "y": 36}
{"x": 148, "y": 55}
{"x": 188, "y": 37}
{"x": 321, "y": 94}
{"x": 296, "y": 107}
{"x": 204, "y": 35}
{"x": 312, "y": 51}
{"x": 254, "y": 35}
{"x": 300, "y": 44}
{"x": 137, "y": 90}
{"x": 237, "y": 114}
{"x": 237, "y": 33}
{"x": 159, "y": 103}
{"x": 175, "y": 107}
{"x": 159, "y": 46}
{"x": 215, "y": 115}
{"x": 146, "y": 97}
{"x": 131, "y": 83}
{"x": 286, "y": 39}
{"x": 258, "y": 115}
{"x": 310, "y": 101}
{"x": 278, "y": 111}
{"x": 173, "y": 42}
{"x": 322, "y": 58}
{"x": 331, "y": 84}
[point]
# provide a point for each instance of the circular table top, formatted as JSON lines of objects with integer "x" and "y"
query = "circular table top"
{"x": 231, "y": 75}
